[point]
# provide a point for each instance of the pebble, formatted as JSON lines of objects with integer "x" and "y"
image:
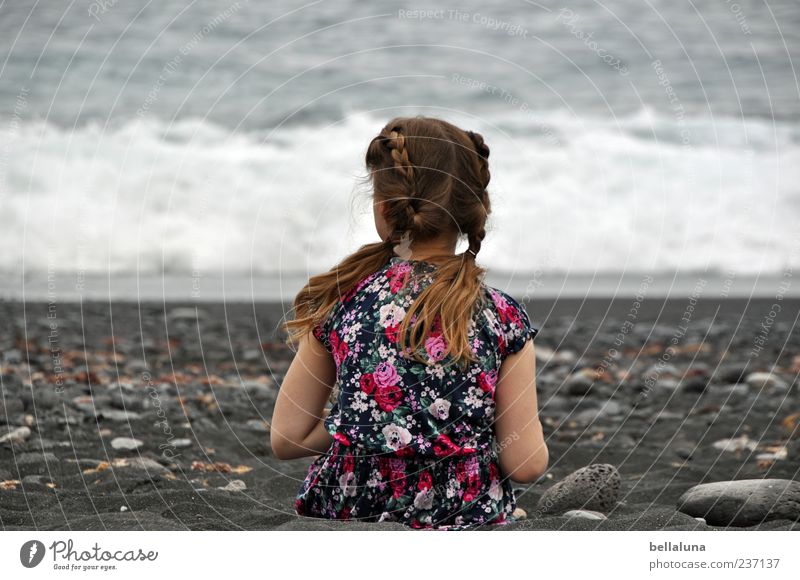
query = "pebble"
{"x": 181, "y": 442}
{"x": 594, "y": 487}
{"x": 17, "y": 435}
{"x": 730, "y": 390}
{"x": 579, "y": 384}
{"x": 745, "y": 502}
{"x": 258, "y": 390}
{"x": 252, "y": 355}
{"x": 520, "y": 514}
{"x": 235, "y": 485}
{"x": 584, "y": 514}
{"x": 778, "y": 455}
{"x": 146, "y": 464}
{"x": 731, "y": 373}
{"x": 35, "y": 462}
{"x": 118, "y": 415}
{"x": 696, "y": 384}
{"x": 608, "y": 409}
{"x": 36, "y": 457}
{"x": 258, "y": 425}
{"x": 33, "y": 481}
{"x": 126, "y": 443}
{"x": 13, "y": 356}
{"x": 766, "y": 381}
{"x": 548, "y": 356}
{"x": 735, "y": 444}
{"x": 10, "y": 407}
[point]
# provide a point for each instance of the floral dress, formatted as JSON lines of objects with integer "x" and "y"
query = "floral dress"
{"x": 413, "y": 442}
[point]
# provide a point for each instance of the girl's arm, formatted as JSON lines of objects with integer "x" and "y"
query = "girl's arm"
{"x": 523, "y": 453}
{"x": 297, "y": 423}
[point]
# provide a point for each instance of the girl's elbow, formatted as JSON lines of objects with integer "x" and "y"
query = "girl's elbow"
{"x": 531, "y": 470}
{"x": 282, "y": 448}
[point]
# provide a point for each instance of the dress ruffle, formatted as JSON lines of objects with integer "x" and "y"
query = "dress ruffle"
{"x": 457, "y": 492}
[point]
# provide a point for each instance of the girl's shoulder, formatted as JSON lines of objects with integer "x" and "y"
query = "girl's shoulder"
{"x": 508, "y": 319}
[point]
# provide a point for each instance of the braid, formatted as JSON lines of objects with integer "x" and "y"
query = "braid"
{"x": 482, "y": 149}
{"x": 475, "y": 241}
{"x": 397, "y": 145}
{"x": 406, "y": 207}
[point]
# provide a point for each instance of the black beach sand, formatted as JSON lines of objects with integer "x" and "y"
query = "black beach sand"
{"x": 194, "y": 385}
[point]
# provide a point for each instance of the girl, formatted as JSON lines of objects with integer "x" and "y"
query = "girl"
{"x": 436, "y": 406}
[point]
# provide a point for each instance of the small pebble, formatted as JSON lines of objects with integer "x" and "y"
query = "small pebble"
{"x": 766, "y": 381}
{"x": 584, "y": 514}
{"x": 17, "y": 435}
{"x": 258, "y": 425}
{"x": 126, "y": 443}
{"x": 735, "y": 444}
{"x": 235, "y": 485}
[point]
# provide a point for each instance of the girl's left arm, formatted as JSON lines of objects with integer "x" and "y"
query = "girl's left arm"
{"x": 297, "y": 423}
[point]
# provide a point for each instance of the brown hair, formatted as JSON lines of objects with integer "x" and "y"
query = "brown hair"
{"x": 432, "y": 178}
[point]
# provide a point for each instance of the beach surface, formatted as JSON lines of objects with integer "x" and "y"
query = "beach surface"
{"x": 126, "y": 416}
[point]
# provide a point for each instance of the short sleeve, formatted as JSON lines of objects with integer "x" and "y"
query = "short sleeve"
{"x": 322, "y": 332}
{"x": 515, "y": 324}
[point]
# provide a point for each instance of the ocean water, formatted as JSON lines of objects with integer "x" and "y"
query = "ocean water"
{"x": 206, "y": 140}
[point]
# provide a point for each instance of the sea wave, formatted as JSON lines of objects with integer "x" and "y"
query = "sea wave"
{"x": 646, "y": 192}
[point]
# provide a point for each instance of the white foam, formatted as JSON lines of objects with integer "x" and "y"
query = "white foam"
{"x": 569, "y": 194}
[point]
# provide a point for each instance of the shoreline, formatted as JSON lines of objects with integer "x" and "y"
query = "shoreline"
{"x": 204, "y": 288}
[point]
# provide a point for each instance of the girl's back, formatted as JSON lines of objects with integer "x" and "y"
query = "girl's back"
{"x": 413, "y": 440}
{"x": 433, "y": 366}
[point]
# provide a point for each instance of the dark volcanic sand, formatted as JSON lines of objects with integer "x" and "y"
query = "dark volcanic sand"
{"x": 211, "y": 381}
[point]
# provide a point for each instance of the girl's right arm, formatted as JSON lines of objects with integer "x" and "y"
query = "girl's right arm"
{"x": 522, "y": 450}
{"x": 298, "y": 428}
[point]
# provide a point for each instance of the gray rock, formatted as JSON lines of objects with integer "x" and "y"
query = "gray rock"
{"x": 554, "y": 404}
{"x": 694, "y": 384}
{"x": 594, "y": 487}
{"x": 118, "y": 415}
{"x": 9, "y": 407}
{"x": 235, "y": 485}
{"x": 731, "y": 373}
{"x": 578, "y": 385}
{"x": 793, "y": 449}
{"x": 736, "y": 444}
{"x": 33, "y": 458}
{"x": 137, "y": 366}
{"x": 258, "y": 425}
{"x": 13, "y": 356}
{"x": 746, "y": 502}
{"x": 258, "y": 390}
{"x": 30, "y": 481}
{"x": 608, "y": 409}
{"x": 252, "y": 355}
{"x": 730, "y": 390}
{"x": 766, "y": 381}
{"x": 35, "y": 463}
{"x": 17, "y": 435}
{"x": 146, "y": 464}
{"x": 584, "y": 514}
{"x": 126, "y": 443}
{"x": 41, "y": 399}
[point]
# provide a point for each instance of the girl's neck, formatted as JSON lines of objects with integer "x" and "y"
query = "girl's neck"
{"x": 430, "y": 251}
